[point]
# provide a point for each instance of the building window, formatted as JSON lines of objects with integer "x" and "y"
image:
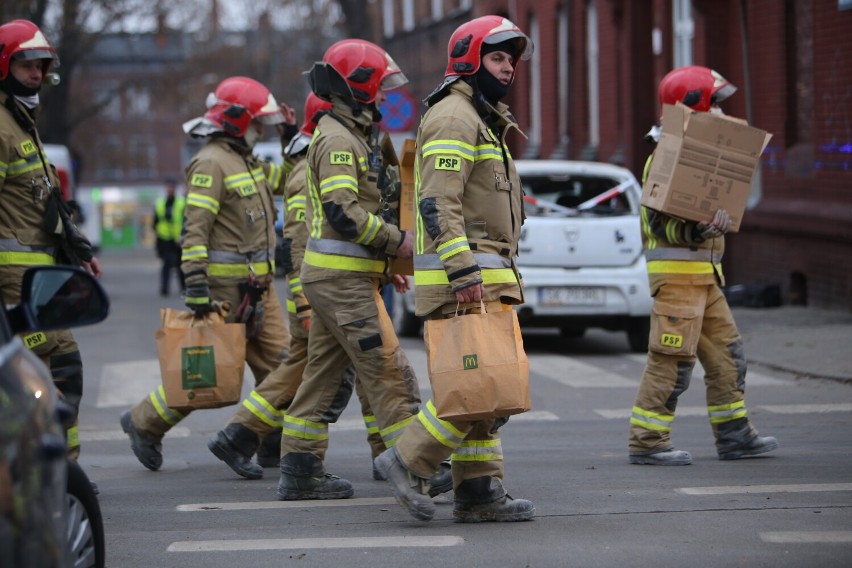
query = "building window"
{"x": 109, "y": 101}
{"x": 407, "y": 15}
{"x": 561, "y": 150}
{"x": 534, "y": 143}
{"x": 138, "y": 101}
{"x": 592, "y": 77}
{"x": 437, "y": 9}
{"x": 108, "y": 155}
{"x": 684, "y": 31}
{"x": 142, "y": 158}
{"x": 387, "y": 17}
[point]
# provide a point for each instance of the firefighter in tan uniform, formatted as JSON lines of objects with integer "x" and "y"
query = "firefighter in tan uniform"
{"x": 690, "y": 318}
{"x": 469, "y": 218}
{"x": 35, "y": 223}
{"x": 344, "y": 266}
{"x": 261, "y": 413}
{"x": 228, "y": 242}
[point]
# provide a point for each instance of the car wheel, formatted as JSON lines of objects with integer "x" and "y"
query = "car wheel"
{"x": 638, "y": 330}
{"x": 405, "y": 323}
{"x": 85, "y": 529}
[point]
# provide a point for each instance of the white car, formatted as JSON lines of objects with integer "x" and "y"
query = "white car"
{"x": 580, "y": 253}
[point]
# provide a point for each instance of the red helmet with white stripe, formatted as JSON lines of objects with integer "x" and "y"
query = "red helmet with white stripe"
{"x": 465, "y": 47}
{"x": 697, "y": 87}
{"x": 22, "y": 39}
{"x": 239, "y": 100}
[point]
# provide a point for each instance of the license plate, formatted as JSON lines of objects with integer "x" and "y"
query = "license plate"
{"x": 571, "y": 296}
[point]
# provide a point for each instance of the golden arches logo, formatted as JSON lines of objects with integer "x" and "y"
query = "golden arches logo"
{"x": 470, "y": 362}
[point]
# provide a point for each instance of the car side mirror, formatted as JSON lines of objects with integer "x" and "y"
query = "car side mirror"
{"x": 58, "y": 297}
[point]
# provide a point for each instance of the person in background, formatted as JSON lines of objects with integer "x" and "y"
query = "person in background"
{"x": 168, "y": 221}
{"x": 691, "y": 320}
{"x": 469, "y": 218}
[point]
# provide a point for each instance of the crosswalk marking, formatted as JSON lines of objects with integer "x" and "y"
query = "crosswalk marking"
{"x": 574, "y": 373}
{"x": 746, "y": 489}
{"x": 806, "y": 537}
{"x": 753, "y": 379}
{"x": 242, "y": 506}
{"x": 683, "y": 411}
{"x": 315, "y": 543}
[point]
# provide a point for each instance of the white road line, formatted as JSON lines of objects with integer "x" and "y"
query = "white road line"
{"x": 810, "y": 537}
{"x": 249, "y": 505}
{"x": 752, "y": 378}
{"x": 573, "y": 373}
{"x": 805, "y": 408}
{"x": 110, "y": 435}
{"x": 125, "y": 384}
{"x": 746, "y": 489}
{"x": 774, "y": 408}
{"x": 357, "y": 424}
{"x": 315, "y": 543}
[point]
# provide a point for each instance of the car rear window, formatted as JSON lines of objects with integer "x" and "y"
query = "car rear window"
{"x": 573, "y": 191}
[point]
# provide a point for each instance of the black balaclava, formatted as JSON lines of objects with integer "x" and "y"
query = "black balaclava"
{"x": 492, "y": 89}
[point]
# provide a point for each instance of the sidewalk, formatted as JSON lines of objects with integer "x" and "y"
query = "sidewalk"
{"x": 809, "y": 342}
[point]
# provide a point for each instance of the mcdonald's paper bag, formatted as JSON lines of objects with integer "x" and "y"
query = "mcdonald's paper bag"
{"x": 201, "y": 359}
{"x": 477, "y": 366}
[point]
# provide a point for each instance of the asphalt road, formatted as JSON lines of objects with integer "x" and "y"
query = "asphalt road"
{"x": 569, "y": 456}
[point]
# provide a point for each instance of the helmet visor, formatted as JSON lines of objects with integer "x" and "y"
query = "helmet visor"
{"x": 523, "y": 45}
{"x": 723, "y": 93}
{"x": 394, "y": 81}
{"x": 270, "y": 113}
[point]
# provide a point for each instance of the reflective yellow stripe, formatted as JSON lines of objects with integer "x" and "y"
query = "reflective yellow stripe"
{"x": 478, "y": 451}
{"x": 337, "y": 262}
{"x": 291, "y": 307}
{"x": 217, "y": 269}
{"x": 304, "y": 429}
{"x": 443, "y": 431}
{"x": 679, "y": 267}
{"x": 263, "y": 410}
{"x": 338, "y": 182}
{"x": 651, "y": 420}
{"x": 26, "y": 258}
{"x": 371, "y": 424}
{"x": 169, "y": 415}
{"x": 370, "y": 230}
{"x": 391, "y": 434}
{"x": 452, "y": 247}
{"x": 489, "y": 276}
{"x": 203, "y": 201}
{"x": 73, "y": 437}
{"x": 727, "y": 412}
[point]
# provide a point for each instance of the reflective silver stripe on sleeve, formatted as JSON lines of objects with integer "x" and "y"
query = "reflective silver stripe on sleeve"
{"x": 342, "y": 248}
{"x": 431, "y": 261}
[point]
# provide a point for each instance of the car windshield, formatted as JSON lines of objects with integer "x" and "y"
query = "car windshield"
{"x": 575, "y": 195}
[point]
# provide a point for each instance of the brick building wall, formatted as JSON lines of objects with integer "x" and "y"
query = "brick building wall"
{"x": 791, "y": 62}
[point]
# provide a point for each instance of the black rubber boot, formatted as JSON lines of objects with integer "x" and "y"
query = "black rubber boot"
{"x": 442, "y": 481}
{"x": 269, "y": 452}
{"x": 148, "y": 450}
{"x": 235, "y": 445}
{"x": 303, "y": 476}
{"x": 738, "y": 439}
{"x": 483, "y": 499}
{"x": 411, "y": 491}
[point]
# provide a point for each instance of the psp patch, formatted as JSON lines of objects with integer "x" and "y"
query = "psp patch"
{"x": 448, "y": 163}
{"x": 671, "y": 340}
{"x": 201, "y": 180}
{"x": 34, "y": 339}
{"x": 28, "y": 147}
{"x": 340, "y": 158}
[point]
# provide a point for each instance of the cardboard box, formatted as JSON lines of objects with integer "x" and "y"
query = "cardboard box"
{"x": 406, "y": 203}
{"x": 703, "y": 162}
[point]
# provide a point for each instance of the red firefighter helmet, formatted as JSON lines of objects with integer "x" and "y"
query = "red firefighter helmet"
{"x": 465, "y": 47}
{"x": 313, "y": 106}
{"x": 358, "y": 70}
{"x": 21, "y": 39}
{"x": 695, "y": 86}
{"x": 238, "y": 100}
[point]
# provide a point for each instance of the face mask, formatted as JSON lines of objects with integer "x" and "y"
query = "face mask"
{"x": 715, "y": 109}
{"x": 252, "y": 136}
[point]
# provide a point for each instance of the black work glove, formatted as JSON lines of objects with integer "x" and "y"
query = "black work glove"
{"x": 197, "y": 298}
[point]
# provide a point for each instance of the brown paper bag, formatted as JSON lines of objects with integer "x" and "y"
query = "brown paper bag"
{"x": 477, "y": 366}
{"x": 201, "y": 359}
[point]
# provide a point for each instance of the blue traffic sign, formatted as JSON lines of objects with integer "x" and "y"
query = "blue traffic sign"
{"x": 399, "y": 111}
